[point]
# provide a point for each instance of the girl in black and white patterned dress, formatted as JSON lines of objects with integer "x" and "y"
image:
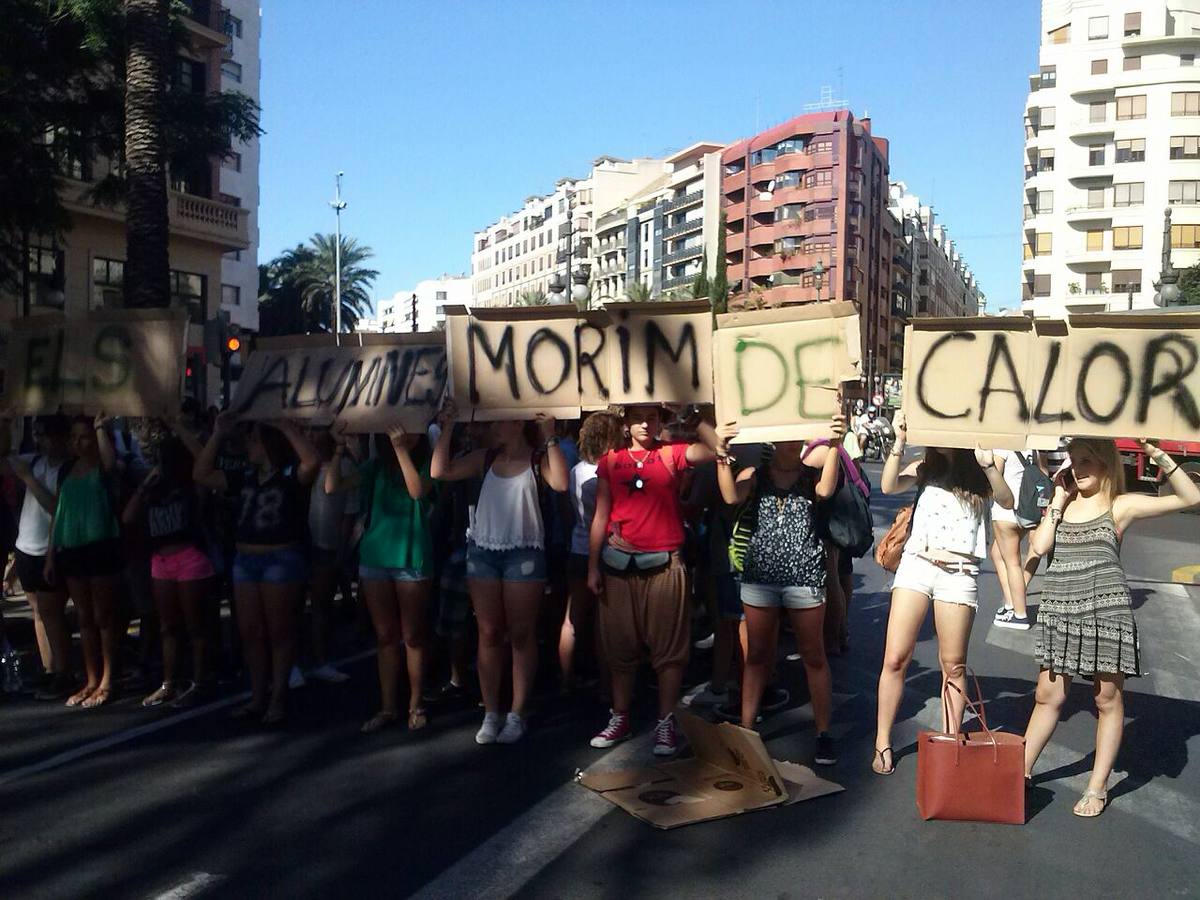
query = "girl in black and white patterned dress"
{"x": 784, "y": 565}
{"x": 1085, "y": 624}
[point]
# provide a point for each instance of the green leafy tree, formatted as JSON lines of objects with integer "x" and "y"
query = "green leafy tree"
{"x": 1189, "y": 286}
{"x": 700, "y": 286}
{"x": 719, "y": 292}
{"x": 533, "y": 298}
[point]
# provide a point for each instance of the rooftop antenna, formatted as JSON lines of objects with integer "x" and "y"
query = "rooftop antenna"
{"x": 829, "y": 100}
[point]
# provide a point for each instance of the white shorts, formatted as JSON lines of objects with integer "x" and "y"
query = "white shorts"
{"x": 1000, "y": 514}
{"x": 771, "y": 596}
{"x": 922, "y": 576}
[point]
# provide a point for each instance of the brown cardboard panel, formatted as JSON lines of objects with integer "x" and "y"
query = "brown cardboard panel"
{"x": 731, "y": 774}
{"x": 777, "y": 372}
{"x": 660, "y": 352}
{"x": 385, "y": 381}
{"x": 122, "y": 362}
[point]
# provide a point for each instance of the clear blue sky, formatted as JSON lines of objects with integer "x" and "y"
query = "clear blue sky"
{"x": 446, "y": 114}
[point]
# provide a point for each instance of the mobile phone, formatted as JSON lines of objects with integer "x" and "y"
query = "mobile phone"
{"x": 1066, "y": 476}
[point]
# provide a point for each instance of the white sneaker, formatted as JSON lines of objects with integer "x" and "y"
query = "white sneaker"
{"x": 329, "y": 674}
{"x": 705, "y": 643}
{"x": 513, "y": 730}
{"x": 489, "y": 730}
{"x": 704, "y": 695}
{"x": 296, "y": 679}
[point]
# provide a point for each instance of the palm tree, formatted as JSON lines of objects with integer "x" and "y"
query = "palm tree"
{"x": 317, "y": 280}
{"x": 637, "y": 292}
{"x": 533, "y": 298}
{"x": 147, "y": 232}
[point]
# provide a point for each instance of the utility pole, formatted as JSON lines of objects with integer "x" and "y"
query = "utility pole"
{"x": 414, "y": 311}
{"x": 338, "y": 205}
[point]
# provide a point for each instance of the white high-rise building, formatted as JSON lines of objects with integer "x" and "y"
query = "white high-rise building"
{"x": 1112, "y": 140}
{"x": 241, "y": 71}
{"x": 421, "y": 309}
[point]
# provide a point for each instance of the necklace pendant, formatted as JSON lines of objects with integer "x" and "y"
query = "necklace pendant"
{"x": 638, "y": 483}
{"x": 638, "y": 464}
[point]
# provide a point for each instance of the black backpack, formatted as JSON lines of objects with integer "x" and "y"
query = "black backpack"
{"x": 1037, "y": 490}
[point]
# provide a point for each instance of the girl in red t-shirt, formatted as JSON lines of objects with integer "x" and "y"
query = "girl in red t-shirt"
{"x": 634, "y": 565}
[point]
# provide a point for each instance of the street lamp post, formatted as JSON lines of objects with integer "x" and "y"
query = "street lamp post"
{"x": 578, "y": 292}
{"x": 1166, "y": 287}
{"x": 338, "y": 205}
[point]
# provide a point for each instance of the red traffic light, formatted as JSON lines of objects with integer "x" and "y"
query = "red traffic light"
{"x": 188, "y": 371}
{"x": 233, "y": 344}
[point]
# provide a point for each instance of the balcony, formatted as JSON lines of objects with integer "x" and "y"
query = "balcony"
{"x": 677, "y": 282}
{"x": 616, "y": 217}
{"x": 735, "y": 211}
{"x": 205, "y": 21}
{"x": 684, "y": 227}
{"x": 693, "y": 199}
{"x": 762, "y": 202}
{"x": 692, "y": 252}
{"x": 1085, "y": 128}
{"x": 764, "y": 171}
{"x": 1089, "y": 213}
{"x": 208, "y": 220}
{"x": 733, "y": 182}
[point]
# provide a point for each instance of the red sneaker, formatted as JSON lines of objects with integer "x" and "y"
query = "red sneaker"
{"x": 617, "y": 730}
{"x": 666, "y": 737}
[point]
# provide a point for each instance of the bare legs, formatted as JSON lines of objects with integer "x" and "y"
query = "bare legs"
{"x": 579, "y": 638}
{"x": 50, "y": 624}
{"x": 1009, "y": 565}
{"x": 96, "y": 602}
{"x": 182, "y": 603}
{"x": 762, "y": 633}
{"x": 506, "y": 609}
{"x": 399, "y": 612}
{"x": 267, "y": 624}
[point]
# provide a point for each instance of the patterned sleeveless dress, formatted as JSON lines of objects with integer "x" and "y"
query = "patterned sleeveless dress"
{"x": 1085, "y": 623}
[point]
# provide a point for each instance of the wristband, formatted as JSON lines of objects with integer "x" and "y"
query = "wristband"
{"x": 1172, "y": 472}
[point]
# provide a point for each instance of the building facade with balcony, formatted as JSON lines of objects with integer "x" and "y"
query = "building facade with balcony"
{"x": 1112, "y": 139}
{"x": 515, "y": 258}
{"x": 422, "y": 308}
{"x": 663, "y": 236}
{"x": 241, "y": 70}
{"x": 85, "y": 268}
{"x": 941, "y": 282}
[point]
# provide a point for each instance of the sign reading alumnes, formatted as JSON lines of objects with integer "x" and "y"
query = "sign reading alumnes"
{"x": 1022, "y": 383}
{"x": 123, "y": 362}
{"x": 370, "y": 382}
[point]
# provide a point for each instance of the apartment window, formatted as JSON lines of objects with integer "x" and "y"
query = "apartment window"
{"x": 1044, "y": 245}
{"x": 46, "y": 277}
{"x": 1187, "y": 59}
{"x": 1097, "y": 111}
{"x": 1041, "y": 285}
{"x": 187, "y": 290}
{"x": 1096, "y": 155}
{"x": 1045, "y": 161}
{"x": 1026, "y": 251}
{"x": 821, "y": 146}
{"x": 789, "y": 211}
{"x": 190, "y": 76}
{"x": 108, "y": 279}
{"x": 1133, "y": 107}
{"x": 1095, "y": 239}
{"x": 1185, "y": 237}
{"x": 1097, "y": 28}
{"x": 233, "y": 26}
{"x": 1045, "y": 201}
{"x": 1093, "y": 283}
{"x": 1185, "y": 103}
{"x": 1049, "y": 76}
{"x": 1133, "y": 24}
{"x": 1127, "y": 237}
{"x": 812, "y": 213}
{"x": 1127, "y": 281}
{"x": 1133, "y": 150}
{"x": 1099, "y": 66}
{"x": 232, "y": 70}
{"x": 1131, "y": 64}
{"x": 1060, "y": 35}
{"x": 1183, "y": 192}
{"x": 1185, "y": 147}
{"x": 547, "y": 212}
{"x": 233, "y": 161}
{"x": 1046, "y": 117}
{"x": 819, "y": 178}
{"x": 231, "y": 295}
{"x": 1095, "y": 198}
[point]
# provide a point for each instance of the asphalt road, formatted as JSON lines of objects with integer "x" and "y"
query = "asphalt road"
{"x": 126, "y": 802}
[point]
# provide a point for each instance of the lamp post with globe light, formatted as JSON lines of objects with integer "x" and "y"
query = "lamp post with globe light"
{"x": 1166, "y": 288}
{"x": 578, "y": 283}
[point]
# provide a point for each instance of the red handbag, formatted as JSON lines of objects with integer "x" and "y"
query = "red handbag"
{"x": 971, "y": 777}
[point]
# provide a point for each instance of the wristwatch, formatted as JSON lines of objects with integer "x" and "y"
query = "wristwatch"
{"x": 553, "y": 441}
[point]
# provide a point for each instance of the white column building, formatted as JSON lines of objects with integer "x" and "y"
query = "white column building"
{"x": 1112, "y": 139}
{"x": 241, "y": 71}
{"x": 424, "y": 303}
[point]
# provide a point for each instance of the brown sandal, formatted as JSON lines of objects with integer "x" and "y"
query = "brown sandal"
{"x": 417, "y": 719}
{"x": 80, "y": 695}
{"x": 99, "y": 697}
{"x": 378, "y": 721}
{"x": 879, "y": 765}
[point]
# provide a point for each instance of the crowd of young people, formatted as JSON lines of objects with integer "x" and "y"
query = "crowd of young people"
{"x": 600, "y": 529}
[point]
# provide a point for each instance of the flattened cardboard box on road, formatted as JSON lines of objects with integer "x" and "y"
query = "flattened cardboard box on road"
{"x": 731, "y": 773}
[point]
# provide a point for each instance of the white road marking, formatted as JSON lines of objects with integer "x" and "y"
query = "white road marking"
{"x": 192, "y": 885}
{"x": 132, "y": 734}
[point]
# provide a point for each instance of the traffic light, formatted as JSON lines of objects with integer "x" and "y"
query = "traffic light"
{"x": 191, "y": 376}
{"x": 233, "y": 340}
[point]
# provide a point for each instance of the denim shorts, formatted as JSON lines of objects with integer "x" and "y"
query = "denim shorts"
{"x": 388, "y": 573}
{"x": 770, "y": 596}
{"x": 283, "y": 566}
{"x": 515, "y": 564}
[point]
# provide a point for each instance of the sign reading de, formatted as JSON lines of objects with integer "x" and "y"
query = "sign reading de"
{"x": 777, "y": 371}
{"x": 122, "y": 362}
{"x": 1020, "y": 383}
{"x": 512, "y": 363}
{"x": 378, "y": 381}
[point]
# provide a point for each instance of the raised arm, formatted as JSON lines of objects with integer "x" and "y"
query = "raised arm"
{"x": 1041, "y": 541}
{"x": 104, "y": 444}
{"x": 734, "y": 488}
{"x": 418, "y": 487}
{"x": 187, "y": 437}
{"x": 706, "y": 449}
{"x": 1001, "y": 492}
{"x": 310, "y": 459}
{"x": 133, "y": 508}
{"x": 827, "y": 484}
{"x": 898, "y": 477}
{"x": 1129, "y": 508}
{"x": 22, "y": 470}
{"x": 204, "y": 470}
{"x": 554, "y": 472}
{"x": 442, "y": 467}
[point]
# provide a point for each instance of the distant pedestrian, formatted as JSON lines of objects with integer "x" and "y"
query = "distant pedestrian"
{"x": 1013, "y": 571}
{"x": 1086, "y": 627}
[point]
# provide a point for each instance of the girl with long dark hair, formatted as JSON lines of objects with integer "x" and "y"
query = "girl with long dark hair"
{"x": 395, "y": 562}
{"x": 940, "y": 566}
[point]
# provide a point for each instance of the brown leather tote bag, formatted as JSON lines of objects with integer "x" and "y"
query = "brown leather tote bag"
{"x": 891, "y": 546}
{"x": 971, "y": 777}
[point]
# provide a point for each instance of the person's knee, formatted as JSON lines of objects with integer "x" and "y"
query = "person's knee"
{"x": 758, "y": 655}
{"x": 1108, "y": 699}
{"x": 522, "y": 636}
{"x": 414, "y": 637}
{"x": 491, "y": 636}
{"x": 895, "y": 662}
{"x": 954, "y": 665}
{"x": 1050, "y": 695}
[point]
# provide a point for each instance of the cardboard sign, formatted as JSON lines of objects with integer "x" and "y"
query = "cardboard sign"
{"x": 1020, "y": 383}
{"x": 377, "y": 381}
{"x": 516, "y": 362}
{"x": 122, "y": 362}
{"x": 731, "y": 773}
{"x": 777, "y": 371}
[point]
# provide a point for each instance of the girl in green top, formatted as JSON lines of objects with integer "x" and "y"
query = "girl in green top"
{"x": 395, "y": 560}
{"x": 85, "y": 549}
